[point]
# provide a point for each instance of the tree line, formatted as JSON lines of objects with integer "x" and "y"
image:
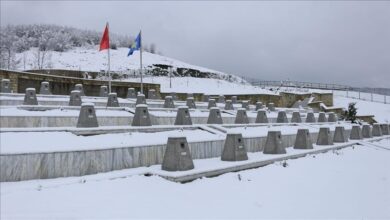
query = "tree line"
{"x": 46, "y": 37}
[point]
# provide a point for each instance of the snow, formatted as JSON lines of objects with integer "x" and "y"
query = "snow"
{"x": 34, "y": 142}
{"x": 381, "y": 111}
{"x": 13, "y": 111}
{"x": 348, "y": 183}
{"x": 202, "y": 85}
{"x": 90, "y": 59}
{"x": 262, "y": 131}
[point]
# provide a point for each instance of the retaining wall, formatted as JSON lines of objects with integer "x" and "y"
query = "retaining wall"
{"x": 62, "y": 85}
{"x": 17, "y": 167}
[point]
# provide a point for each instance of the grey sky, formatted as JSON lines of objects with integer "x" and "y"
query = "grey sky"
{"x": 337, "y": 42}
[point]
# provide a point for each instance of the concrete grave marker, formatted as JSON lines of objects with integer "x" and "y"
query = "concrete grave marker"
{"x": 112, "y": 100}
{"x": 356, "y": 133}
{"x": 261, "y": 117}
{"x": 376, "y": 130}
{"x": 245, "y": 104}
{"x": 366, "y": 131}
{"x": 273, "y": 144}
{"x": 177, "y": 156}
{"x": 183, "y": 116}
{"x": 282, "y": 117}
{"x": 324, "y": 137}
{"x": 80, "y": 88}
{"x": 87, "y": 117}
{"x": 75, "y": 98}
{"x": 234, "y": 99}
{"x": 322, "y": 117}
{"x": 211, "y": 103}
{"x": 332, "y": 117}
{"x": 152, "y": 94}
{"x": 241, "y": 117}
{"x": 168, "y": 103}
{"x": 191, "y": 103}
{"x": 45, "y": 88}
{"x": 385, "y": 129}
{"x": 310, "y": 118}
{"x": 131, "y": 94}
{"x": 141, "y": 116}
{"x": 339, "y": 135}
{"x": 174, "y": 96}
{"x": 234, "y": 148}
{"x": 5, "y": 86}
{"x": 259, "y": 105}
{"x": 303, "y": 139}
{"x": 103, "y": 91}
{"x": 140, "y": 100}
{"x": 221, "y": 99}
{"x": 296, "y": 118}
{"x": 214, "y": 116}
{"x": 30, "y": 97}
{"x": 229, "y": 105}
{"x": 271, "y": 106}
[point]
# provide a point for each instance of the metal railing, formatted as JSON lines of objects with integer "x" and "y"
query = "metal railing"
{"x": 299, "y": 84}
{"x": 381, "y": 95}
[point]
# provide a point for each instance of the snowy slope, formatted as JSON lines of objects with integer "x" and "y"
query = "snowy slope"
{"x": 203, "y": 85}
{"x": 380, "y": 110}
{"x": 350, "y": 183}
{"x": 92, "y": 60}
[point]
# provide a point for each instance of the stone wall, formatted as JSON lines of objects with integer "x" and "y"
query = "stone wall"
{"x": 326, "y": 98}
{"x": 61, "y": 85}
{"x": 288, "y": 99}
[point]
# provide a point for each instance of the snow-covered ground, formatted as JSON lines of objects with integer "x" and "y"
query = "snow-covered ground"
{"x": 90, "y": 59}
{"x": 349, "y": 183}
{"x": 203, "y": 85}
{"x": 380, "y": 110}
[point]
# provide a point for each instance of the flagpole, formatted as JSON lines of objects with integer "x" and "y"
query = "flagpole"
{"x": 108, "y": 63}
{"x": 140, "y": 61}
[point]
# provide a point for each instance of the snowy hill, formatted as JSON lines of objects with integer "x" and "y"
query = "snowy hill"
{"x": 90, "y": 59}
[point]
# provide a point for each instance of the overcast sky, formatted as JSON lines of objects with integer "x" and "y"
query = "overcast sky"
{"x": 335, "y": 42}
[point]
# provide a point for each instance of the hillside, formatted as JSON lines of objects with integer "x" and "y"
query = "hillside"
{"x": 90, "y": 59}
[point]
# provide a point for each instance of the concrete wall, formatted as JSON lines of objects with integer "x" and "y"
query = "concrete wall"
{"x": 17, "y": 167}
{"x": 58, "y": 121}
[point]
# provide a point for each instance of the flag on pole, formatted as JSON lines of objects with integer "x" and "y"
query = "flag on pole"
{"x": 136, "y": 45}
{"x": 105, "y": 42}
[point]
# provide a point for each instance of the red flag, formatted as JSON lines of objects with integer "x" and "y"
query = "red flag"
{"x": 105, "y": 42}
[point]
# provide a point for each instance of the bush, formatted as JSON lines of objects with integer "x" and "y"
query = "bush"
{"x": 351, "y": 113}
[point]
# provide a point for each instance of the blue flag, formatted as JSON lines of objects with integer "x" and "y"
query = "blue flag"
{"x": 136, "y": 45}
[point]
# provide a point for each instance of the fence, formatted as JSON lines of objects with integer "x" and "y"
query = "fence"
{"x": 301, "y": 85}
{"x": 372, "y": 97}
{"x": 381, "y": 95}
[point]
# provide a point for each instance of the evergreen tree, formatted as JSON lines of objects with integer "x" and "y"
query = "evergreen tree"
{"x": 351, "y": 113}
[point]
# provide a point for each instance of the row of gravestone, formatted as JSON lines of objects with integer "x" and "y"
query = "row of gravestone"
{"x": 131, "y": 93}
{"x": 190, "y": 102}
{"x": 87, "y": 116}
{"x": 177, "y": 156}
{"x": 30, "y": 98}
{"x": 5, "y": 87}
